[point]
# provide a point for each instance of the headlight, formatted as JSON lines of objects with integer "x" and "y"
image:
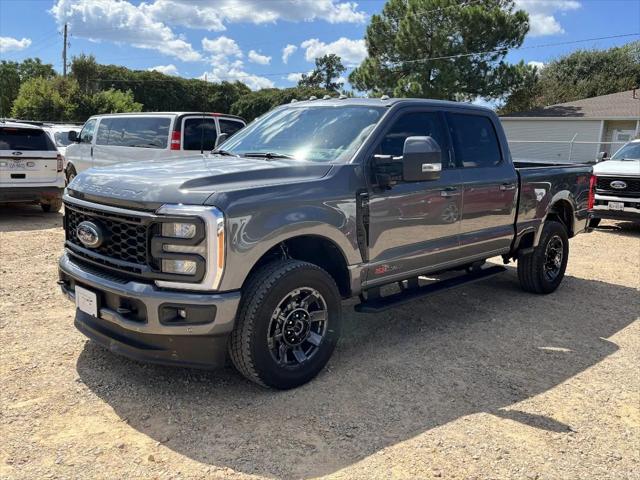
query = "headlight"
{"x": 188, "y": 248}
{"x": 179, "y": 230}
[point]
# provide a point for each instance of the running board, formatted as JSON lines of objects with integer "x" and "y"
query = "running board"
{"x": 379, "y": 304}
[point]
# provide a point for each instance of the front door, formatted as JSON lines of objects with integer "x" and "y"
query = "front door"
{"x": 83, "y": 151}
{"x": 413, "y": 226}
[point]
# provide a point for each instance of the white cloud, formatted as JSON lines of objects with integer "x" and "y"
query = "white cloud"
{"x": 534, "y": 63}
{"x": 122, "y": 23}
{"x": 9, "y": 44}
{"x": 287, "y": 52}
{"x": 352, "y": 52}
{"x": 294, "y": 77}
{"x": 170, "y": 69}
{"x": 255, "y": 57}
{"x": 542, "y": 15}
{"x": 213, "y": 14}
{"x": 227, "y": 65}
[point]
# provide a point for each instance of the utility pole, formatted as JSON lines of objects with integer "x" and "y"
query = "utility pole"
{"x": 64, "y": 52}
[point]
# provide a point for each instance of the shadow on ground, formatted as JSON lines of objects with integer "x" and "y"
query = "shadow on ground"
{"x": 482, "y": 348}
{"x": 627, "y": 229}
{"x": 22, "y": 217}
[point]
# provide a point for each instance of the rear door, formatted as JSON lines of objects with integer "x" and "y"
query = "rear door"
{"x": 489, "y": 185}
{"x": 199, "y": 133}
{"x": 27, "y": 156}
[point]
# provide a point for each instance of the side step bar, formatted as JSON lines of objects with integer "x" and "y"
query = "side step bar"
{"x": 379, "y": 304}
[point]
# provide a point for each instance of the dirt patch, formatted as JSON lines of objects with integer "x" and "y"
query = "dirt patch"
{"x": 481, "y": 382}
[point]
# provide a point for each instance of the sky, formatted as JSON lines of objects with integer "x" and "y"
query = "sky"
{"x": 265, "y": 43}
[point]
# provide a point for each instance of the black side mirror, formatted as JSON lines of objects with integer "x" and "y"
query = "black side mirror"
{"x": 421, "y": 159}
{"x": 602, "y": 156}
{"x": 221, "y": 139}
{"x": 73, "y": 136}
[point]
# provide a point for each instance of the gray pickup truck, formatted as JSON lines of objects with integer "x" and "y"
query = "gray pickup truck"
{"x": 247, "y": 253}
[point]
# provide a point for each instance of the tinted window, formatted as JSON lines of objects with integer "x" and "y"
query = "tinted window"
{"x": 474, "y": 140}
{"x": 199, "y": 134}
{"x": 86, "y": 135}
{"x": 229, "y": 126}
{"x": 631, "y": 151}
{"x": 25, "y": 139}
{"x": 142, "y": 132}
{"x": 417, "y": 124}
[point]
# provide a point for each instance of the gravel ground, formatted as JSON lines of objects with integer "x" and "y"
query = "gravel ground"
{"x": 481, "y": 382}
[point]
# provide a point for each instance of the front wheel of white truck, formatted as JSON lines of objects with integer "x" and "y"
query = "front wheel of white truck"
{"x": 287, "y": 326}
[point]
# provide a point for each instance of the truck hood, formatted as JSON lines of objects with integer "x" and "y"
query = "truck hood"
{"x": 190, "y": 180}
{"x": 617, "y": 167}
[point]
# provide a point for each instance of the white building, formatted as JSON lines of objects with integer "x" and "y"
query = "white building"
{"x": 574, "y": 131}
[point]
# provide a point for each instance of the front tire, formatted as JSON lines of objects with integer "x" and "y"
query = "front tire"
{"x": 288, "y": 324}
{"x": 543, "y": 270}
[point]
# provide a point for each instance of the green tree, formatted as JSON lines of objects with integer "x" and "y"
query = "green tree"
{"x": 433, "y": 48}
{"x": 9, "y": 86}
{"x": 115, "y": 101}
{"x": 254, "y": 104}
{"x": 34, "y": 68}
{"x": 582, "y": 74}
{"x": 328, "y": 69}
{"x": 50, "y": 99}
{"x": 84, "y": 69}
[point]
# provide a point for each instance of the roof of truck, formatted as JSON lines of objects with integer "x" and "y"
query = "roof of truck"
{"x": 146, "y": 114}
{"x": 388, "y": 102}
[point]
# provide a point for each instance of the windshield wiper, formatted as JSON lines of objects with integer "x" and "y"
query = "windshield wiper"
{"x": 267, "y": 155}
{"x": 223, "y": 152}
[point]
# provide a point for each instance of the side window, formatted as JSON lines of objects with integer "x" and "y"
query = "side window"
{"x": 86, "y": 135}
{"x": 230, "y": 126}
{"x": 416, "y": 124}
{"x": 475, "y": 142}
{"x": 199, "y": 133}
{"x": 102, "y": 135}
{"x": 143, "y": 132}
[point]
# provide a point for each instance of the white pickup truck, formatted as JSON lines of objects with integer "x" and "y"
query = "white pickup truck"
{"x": 618, "y": 185}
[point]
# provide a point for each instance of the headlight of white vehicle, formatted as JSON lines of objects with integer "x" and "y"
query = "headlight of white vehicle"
{"x": 188, "y": 247}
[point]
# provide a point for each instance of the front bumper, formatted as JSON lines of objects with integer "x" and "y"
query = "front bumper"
{"x": 132, "y": 319}
{"x": 29, "y": 194}
{"x": 601, "y": 208}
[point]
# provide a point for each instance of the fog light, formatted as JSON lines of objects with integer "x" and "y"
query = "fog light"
{"x": 180, "y": 267}
{"x": 179, "y": 230}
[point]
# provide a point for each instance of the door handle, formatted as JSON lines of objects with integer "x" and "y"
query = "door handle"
{"x": 507, "y": 186}
{"x": 449, "y": 192}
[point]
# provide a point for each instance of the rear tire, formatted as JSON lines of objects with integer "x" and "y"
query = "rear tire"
{"x": 52, "y": 206}
{"x": 543, "y": 270}
{"x": 288, "y": 324}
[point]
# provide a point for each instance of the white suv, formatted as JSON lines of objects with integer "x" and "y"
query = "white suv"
{"x": 31, "y": 167}
{"x": 127, "y": 137}
{"x": 618, "y": 185}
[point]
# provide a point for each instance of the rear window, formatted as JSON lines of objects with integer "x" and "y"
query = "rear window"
{"x": 25, "y": 139}
{"x": 199, "y": 134}
{"x": 142, "y": 132}
{"x": 230, "y": 126}
{"x": 474, "y": 140}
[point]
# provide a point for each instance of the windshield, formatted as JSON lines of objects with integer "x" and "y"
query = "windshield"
{"x": 631, "y": 151}
{"x": 62, "y": 139}
{"x": 309, "y": 133}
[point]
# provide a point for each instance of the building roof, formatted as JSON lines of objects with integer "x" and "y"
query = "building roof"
{"x": 620, "y": 105}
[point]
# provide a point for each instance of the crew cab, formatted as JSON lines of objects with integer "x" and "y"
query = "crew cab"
{"x": 30, "y": 166}
{"x": 117, "y": 137}
{"x": 248, "y": 253}
{"x": 618, "y": 185}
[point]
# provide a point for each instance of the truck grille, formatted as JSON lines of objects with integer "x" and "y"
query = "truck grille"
{"x": 632, "y": 186}
{"x": 126, "y": 243}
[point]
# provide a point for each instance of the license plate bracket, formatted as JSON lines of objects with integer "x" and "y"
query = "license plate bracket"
{"x": 87, "y": 301}
{"x": 617, "y": 206}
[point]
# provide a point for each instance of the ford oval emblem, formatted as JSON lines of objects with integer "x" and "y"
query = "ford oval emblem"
{"x": 618, "y": 184}
{"x": 89, "y": 234}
